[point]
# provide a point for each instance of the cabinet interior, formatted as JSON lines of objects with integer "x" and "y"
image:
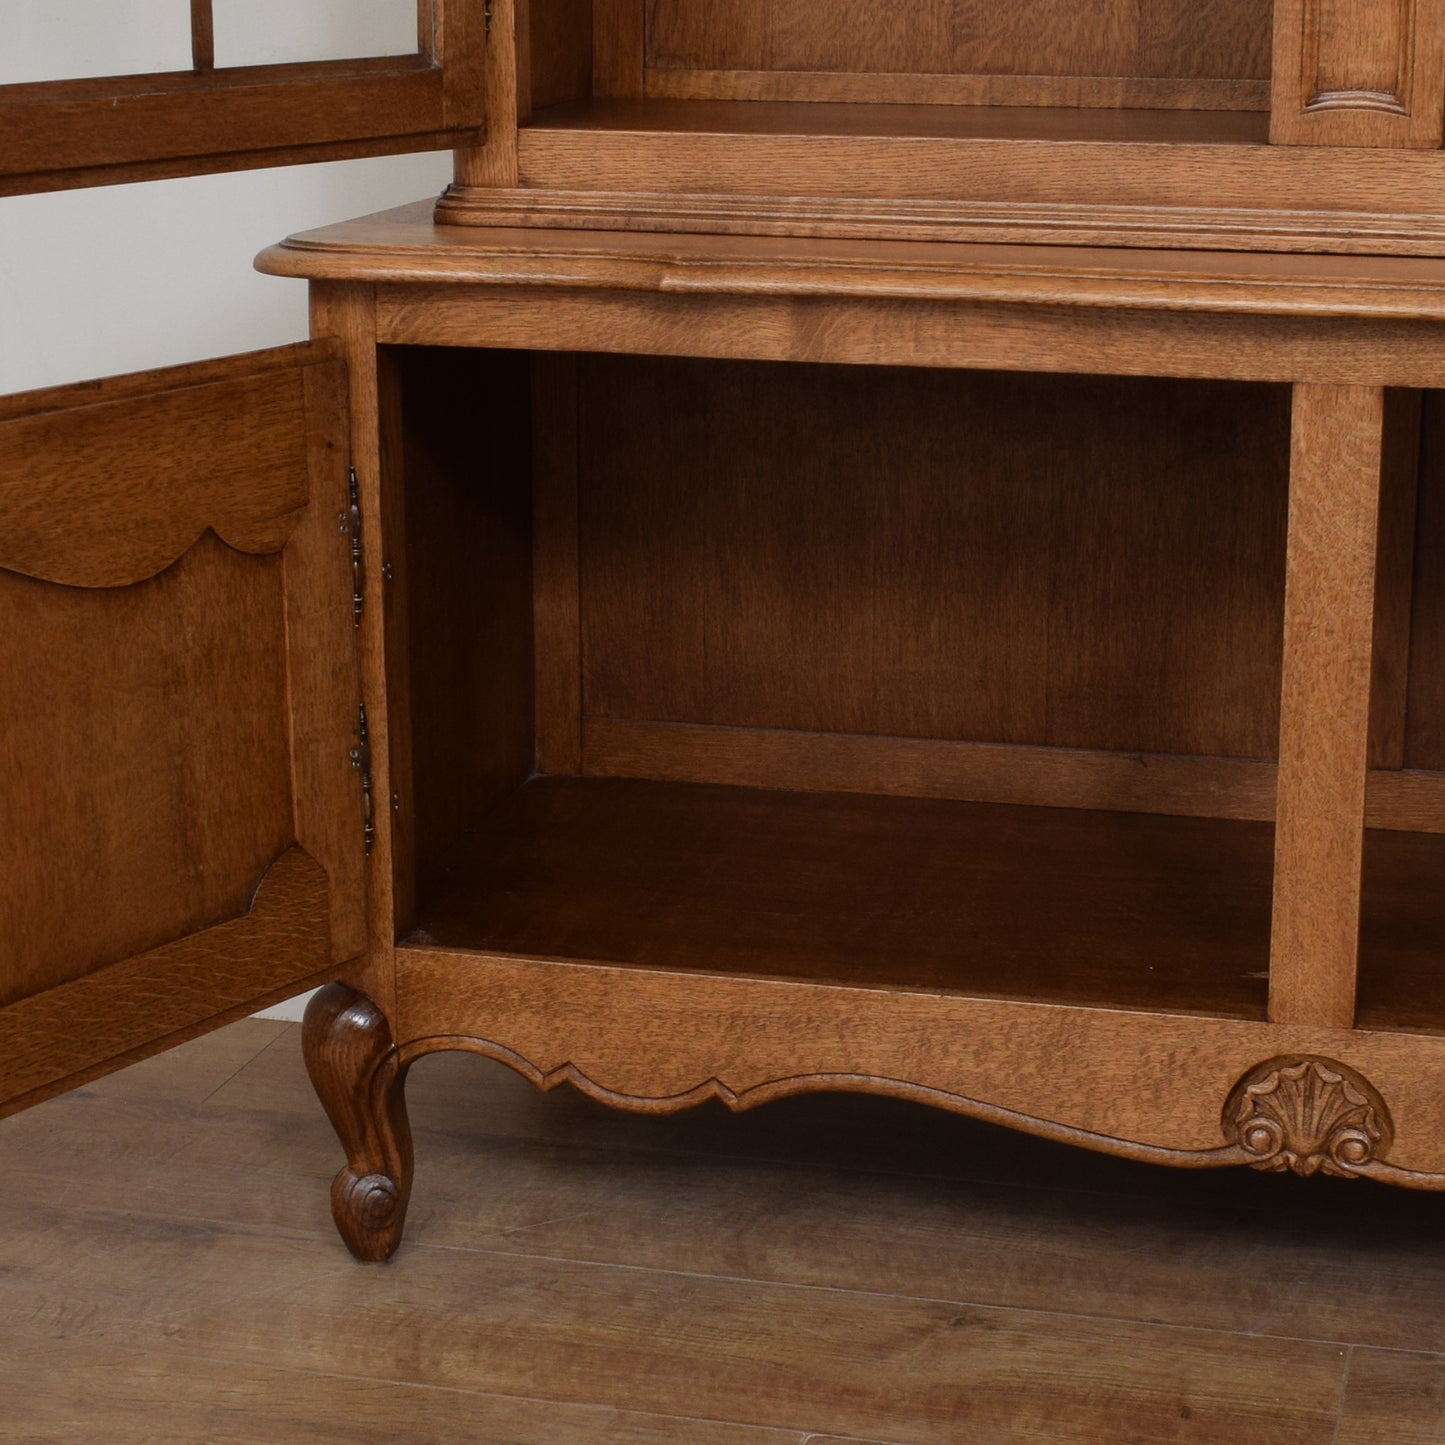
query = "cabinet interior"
{"x": 933, "y": 67}
{"x": 944, "y": 680}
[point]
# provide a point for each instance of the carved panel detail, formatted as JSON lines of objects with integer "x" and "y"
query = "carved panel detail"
{"x": 1359, "y": 61}
{"x": 1358, "y": 72}
{"x": 1309, "y": 1115}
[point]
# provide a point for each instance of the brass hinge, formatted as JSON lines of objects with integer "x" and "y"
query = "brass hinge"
{"x": 361, "y": 761}
{"x": 351, "y": 526}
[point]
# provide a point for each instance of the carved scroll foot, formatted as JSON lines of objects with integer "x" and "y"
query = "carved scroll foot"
{"x": 1309, "y": 1115}
{"x": 354, "y": 1066}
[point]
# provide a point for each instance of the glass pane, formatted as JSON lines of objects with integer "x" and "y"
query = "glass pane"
{"x": 72, "y": 39}
{"x": 274, "y": 32}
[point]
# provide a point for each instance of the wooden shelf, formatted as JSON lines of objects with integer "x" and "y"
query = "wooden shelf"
{"x": 941, "y": 122}
{"x": 918, "y": 152}
{"x": 1125, "y": 910}
{"x": 1064, "y": 175}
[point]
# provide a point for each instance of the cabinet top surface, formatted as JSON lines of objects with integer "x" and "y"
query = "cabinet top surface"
{"x": 406, "y": 246}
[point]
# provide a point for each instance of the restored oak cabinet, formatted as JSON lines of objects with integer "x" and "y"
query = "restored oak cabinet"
{"x": 883, "y": 550}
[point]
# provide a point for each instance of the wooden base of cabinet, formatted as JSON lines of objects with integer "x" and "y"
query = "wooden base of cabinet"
{"x": 739, "y": 720}
{"x": 1190, "y": 1093}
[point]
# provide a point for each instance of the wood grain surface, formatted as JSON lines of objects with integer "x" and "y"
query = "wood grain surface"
{"x": 946, "y": 567}
{"x": 138, "y": 699}
{"x": 347, "y": 315}
{"x": 182, "y": 822}
{"x": 1355, "y": 73}
{"x": 97, "y": 131}
{"x": 407, "y": 245}
{"x": 1196, "y": 787}
{"x": 235, "y": 463}
{"x": 926, "y": 38}
{"x": 1334, "y": 517}
{"x": 57, "y": 1037}
{"x": 1141, "y": 912}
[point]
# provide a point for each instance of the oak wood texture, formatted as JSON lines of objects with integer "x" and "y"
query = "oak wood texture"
{"x": 179, "y": 703}
{"x": 948, "y": 570}
{"x": 405, "y": 246}
{"x": 57, "y": 134}
{"x": 1109, "y": 553}
{"x": 1196, "y": 179}
{"x": 643, "y": 293}
{"x": 1229, "y": 124}
{"x": 61, "y": 1037}
{"x": 1073, "y": 54}
{"x": 1146, "y": 1086}
{"x": 1358, "y": 74}
{"x": 1094, "y": 1299}
{"x": 203, "y": 35}
{"x": 875, "y": 88}
{"x": 907, "y": 893}
{"x": 500, "y": 76}
{"x": 1019, "y": 155}
{"x": 352, "y": 1059}
{"x": 618, "y": 47}
{"x": 1337, "y": 451}
{"x": 346, "y": 315}
{"x": 558, "y": 52}
{"x": 1141, "y": 912}
{"x": 1189, "y": 785}
{"x": 792, "y": 323}
{"x": 902, "y": 219}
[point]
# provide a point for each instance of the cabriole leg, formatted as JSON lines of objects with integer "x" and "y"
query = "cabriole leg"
{"x": 352, "y": 1059}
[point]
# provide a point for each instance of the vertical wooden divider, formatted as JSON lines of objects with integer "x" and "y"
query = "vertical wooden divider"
{"x": 347, "y": 310}
{"x": 203, "y": 36}
{"x": 1334, "y": 507}
{"x": 504, "y": 100}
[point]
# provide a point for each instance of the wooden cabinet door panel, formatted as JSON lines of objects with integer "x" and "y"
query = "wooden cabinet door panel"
{"x": 181, "y": 813}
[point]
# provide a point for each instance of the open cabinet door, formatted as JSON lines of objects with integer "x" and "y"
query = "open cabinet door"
{"x": 183, "y": 823}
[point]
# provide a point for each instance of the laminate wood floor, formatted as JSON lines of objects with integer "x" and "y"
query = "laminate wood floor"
{"x": 824, "y": 1270}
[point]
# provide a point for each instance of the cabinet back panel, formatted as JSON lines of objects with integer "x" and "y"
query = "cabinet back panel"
{"x": 1060, "y": 561}
{"x": 1086, "y": 40}
{"x": 559, "y": 49}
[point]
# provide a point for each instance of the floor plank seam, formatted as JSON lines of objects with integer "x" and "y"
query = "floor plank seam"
{"x": 266, "y": 1047}
{"x": 939, "y": 1300}
{"x": 223, "y": 1357}
{"x": 1344, "y": 1395}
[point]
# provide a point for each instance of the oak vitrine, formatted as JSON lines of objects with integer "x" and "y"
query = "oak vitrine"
{"x": 868, "y": 548}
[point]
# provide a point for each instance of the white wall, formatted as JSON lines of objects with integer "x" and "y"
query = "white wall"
{"x": 123, "y": 278}
{"x": 72, "y": 38}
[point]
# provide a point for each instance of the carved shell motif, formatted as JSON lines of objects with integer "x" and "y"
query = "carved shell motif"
{"x": 1311, "y": 1115}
